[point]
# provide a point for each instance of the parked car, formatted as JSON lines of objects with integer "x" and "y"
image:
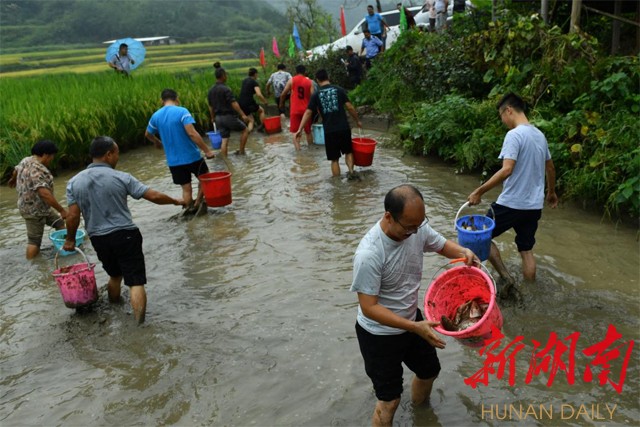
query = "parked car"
{"x": 422, "y": 16}
{"x": 355, "y": 36}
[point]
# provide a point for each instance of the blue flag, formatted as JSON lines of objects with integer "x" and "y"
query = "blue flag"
{"x": 296, "y": 37}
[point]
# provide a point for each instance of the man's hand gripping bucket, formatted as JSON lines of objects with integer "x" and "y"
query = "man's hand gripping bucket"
{"x": 474, "y": 232}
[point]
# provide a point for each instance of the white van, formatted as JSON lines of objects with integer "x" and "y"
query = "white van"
{"x": 355, "y": 36}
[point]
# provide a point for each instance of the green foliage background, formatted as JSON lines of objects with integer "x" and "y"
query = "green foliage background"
{"x": 442, "y": 90}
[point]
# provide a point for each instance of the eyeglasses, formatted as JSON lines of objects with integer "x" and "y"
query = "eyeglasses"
{"x": 412, "y": 230}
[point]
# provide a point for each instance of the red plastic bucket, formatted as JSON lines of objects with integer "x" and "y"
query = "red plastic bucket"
{"x": 453, "y": 288}
{"x": 272, "y": 124}
{"x": 217, "y": 188}
{"x": 363, "y": 149}
{"x": 77, "y": 283}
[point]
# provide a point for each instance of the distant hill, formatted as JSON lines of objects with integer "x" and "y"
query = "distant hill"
{"x": 28, "y": 23}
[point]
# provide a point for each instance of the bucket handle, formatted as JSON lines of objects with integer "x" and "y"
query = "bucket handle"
{"x": 457, "y": 260}
{"x": 77, "y": 249}
{"x": 466, "y": 204}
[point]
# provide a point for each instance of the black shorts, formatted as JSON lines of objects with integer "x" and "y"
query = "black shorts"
{"x": 121, "y": 255}
{"x": 284, "y": 109}
{"x": 383, "y": 356}
{"x": 228, "y": 122}
{"x": 250, "y": 108}
{"x": 182, "y": 174}
{"x": 524, "y": 223}
{"x": 336, "y": 143}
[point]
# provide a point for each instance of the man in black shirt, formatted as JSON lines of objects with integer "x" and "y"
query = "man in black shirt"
{"x": 354, "y": 67}
{"x": 251, "y": 87}
{"x": 224, "y": 111}
{"x": 331, "y": 101}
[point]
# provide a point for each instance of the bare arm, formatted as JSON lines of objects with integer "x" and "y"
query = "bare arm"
{"x": 72, "y": 221}
{"x": 497, "y": 179}
{"x": 259, "y": 95}
{"x": 552, "y": 197}
{"x": 238, "y": 110}
{"x": 13, "y": 179}
{"x": 47, "y": 196}
{"x": 160, "y": 198}
{"x": 351, "y": 109}
{"x": 453, "y": 250}
{"x": 197, "y": 139}
{"x": 381, "y": 314}
{"x": 305, "y": 118}
{"x": 151, "y": 137}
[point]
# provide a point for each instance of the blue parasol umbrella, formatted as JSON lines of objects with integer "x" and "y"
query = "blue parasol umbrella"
{"x": 136, "y": 51}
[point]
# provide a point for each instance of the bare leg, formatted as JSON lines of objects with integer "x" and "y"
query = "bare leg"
{"x": 348, "y": 158}
{"x": 138, "y": 302}
{"x": 261, "y": 115}
{"x": 384, "y": 412}
{"x": 421, "y": 390}
{"x": 113, "y": 288}
{"x": 335, "y": 168}
{"x": 187, "y": 193}
{"x": 309, "y": 139}
{"x": 496, "y": 261}
{"x": 528, "y": 265}
{"x": 296, "y": 144}
{"x": 223, "y": 147}
{"x": 252, "y": 121}
{"x": 32, "y": 251}
{"x": 243, "y": 140}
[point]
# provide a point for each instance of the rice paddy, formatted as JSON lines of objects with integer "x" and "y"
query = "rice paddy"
{"x": 71, "y": 96}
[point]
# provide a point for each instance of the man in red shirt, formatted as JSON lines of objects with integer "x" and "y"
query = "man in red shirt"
{"x": 301, "y": 88}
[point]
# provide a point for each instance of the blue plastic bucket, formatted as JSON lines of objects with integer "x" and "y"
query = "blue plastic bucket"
{"x": 318, "y": 134}
{"x": 58, "y": 237}
{"x": 477, "y": 239}
{"x": 216, "y": 140}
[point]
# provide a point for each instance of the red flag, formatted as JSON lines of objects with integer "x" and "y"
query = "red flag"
{"x": 343, "y": 22}
{"x": 274, "y": 48}
{"x": 262, "y": 60}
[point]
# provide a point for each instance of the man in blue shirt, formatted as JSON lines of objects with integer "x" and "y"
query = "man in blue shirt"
{"x": 100, "y": 193}
{"x": 181, "y": 141}
{"x": 372, "y": 45}
{"x": 376, "y": 25}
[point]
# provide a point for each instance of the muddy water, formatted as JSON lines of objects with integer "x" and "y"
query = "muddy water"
{"x": 250, "y": 320}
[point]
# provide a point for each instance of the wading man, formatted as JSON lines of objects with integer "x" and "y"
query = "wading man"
{"x": 99, "y": 193}
{"x": 525, "y": 162}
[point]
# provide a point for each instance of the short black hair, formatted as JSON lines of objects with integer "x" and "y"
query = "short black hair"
{"x": 514, "y": 101}
{"x": 397, "y": 198}
{"x": 100, "y": 146}
{"x": 217, "y": 65}
{"x": 369, "y": 6}
{"x": 301, "y": 69}
{"x": 322, "y": 75}
{"x": 220, "y": 72}
{"x": 252, "y": 72}
{"x": 43, "y": 147}
{"x": 169, "y": 94}
{"x": 123, "y": 45}
{"x": 348, "y": 48}
{"x": 281, "y": 66}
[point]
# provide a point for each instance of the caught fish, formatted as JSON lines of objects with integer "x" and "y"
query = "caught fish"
{"x": 467, "y": 315}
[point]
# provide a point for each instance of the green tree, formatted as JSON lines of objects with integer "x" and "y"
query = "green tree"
{"x": 315, "y": 26}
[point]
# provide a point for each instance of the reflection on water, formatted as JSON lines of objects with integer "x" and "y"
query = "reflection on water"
{"x": 250, "y": 320}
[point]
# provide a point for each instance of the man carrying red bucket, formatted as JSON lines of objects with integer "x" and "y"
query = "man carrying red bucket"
{"x": 331, "y": 101}
{"x": 100, "y": 194}
{"x": 387, "y": 270}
